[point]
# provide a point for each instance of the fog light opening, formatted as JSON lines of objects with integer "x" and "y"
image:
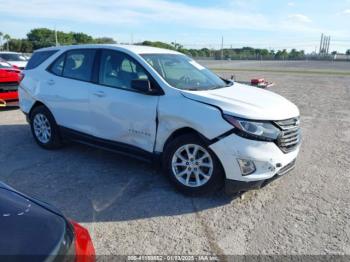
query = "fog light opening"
{"x": 247, "y": 166}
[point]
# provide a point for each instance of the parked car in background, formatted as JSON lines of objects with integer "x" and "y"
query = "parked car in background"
{"x": 160, "y": 104}
{"x": 9, "y": 80}
{"x": 32, "y": 230}
{"x": 16, "y": 59}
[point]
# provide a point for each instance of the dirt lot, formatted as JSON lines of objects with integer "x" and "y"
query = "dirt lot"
{"x": 131, "y": 209}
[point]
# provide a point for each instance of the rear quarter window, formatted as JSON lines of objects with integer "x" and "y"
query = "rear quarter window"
{"x": 57, "y": 66}
{"x": 38, "y": 58}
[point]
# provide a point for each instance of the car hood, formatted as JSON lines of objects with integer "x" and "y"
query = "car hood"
{"x": 246, "y": 102}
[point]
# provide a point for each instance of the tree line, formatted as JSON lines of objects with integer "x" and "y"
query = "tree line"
{"x": 231, "y": 53}
{"x": 44, "y": 37}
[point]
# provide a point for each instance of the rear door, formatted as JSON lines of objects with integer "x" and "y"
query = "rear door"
{"x": 119, "y": 113}
{"x": 68, "y": 89}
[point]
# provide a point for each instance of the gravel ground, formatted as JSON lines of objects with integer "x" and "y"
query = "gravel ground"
{"x": 131, "y": 209}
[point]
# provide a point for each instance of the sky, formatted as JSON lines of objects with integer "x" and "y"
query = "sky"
{"x": 272, "y": 24}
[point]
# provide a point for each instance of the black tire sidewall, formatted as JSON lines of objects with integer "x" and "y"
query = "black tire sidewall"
{"x": 217, "y": 178}
{"x": 55, "y": 140}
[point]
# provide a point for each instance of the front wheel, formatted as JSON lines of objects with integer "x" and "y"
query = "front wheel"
{"x": 191, "y": 166}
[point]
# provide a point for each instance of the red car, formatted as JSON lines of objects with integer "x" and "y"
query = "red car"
{"x": 9, "y": 79}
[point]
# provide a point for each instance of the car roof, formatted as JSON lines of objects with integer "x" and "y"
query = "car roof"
{"x": 138, "y": 49}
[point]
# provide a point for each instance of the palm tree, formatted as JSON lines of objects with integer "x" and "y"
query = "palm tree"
{"x": 1, "y": 34}
{"x": 7, "y": 38}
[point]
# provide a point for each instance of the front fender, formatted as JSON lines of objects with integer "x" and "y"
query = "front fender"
{"x": 176, "y": 112}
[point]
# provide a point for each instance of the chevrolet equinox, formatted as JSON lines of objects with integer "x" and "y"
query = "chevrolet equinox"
{"x": 162, "y": 106}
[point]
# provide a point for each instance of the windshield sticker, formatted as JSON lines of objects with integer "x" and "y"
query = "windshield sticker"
{"x": 196, "y": 65}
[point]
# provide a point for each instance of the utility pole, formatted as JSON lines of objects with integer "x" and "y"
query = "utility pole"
{"x": 222, "y": 47}
{"x": 321, "y": 44}
{"x": 329, "y": 41}
{"x": 325, "y": 45}
{"x": 56, "y": 38}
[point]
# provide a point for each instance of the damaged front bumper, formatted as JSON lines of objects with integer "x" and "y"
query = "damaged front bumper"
{"x": 269, "y": 162}
{"x": 235, "y": 186}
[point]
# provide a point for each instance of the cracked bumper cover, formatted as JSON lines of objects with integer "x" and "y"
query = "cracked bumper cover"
{"x": 234, "y": 186}
{"x": 270, "y": 162}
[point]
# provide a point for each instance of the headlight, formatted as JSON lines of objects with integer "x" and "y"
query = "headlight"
{"x": 254, "y": 129}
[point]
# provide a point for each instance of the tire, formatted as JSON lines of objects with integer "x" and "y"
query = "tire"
{"x": 44, "y": 128}
{"x": 199, "y": 174}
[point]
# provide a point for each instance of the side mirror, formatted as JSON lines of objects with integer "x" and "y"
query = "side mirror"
{"x": 142, "y": 85}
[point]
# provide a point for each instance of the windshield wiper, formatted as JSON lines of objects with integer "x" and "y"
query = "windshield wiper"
{"x": 191, "y": 89}
{"x": 219, "y": 86}
{"x": 230, "y": 84}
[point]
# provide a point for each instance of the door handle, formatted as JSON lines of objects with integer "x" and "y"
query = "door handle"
{"x": 51, "y": 82}
{"x": 100, "y": 94}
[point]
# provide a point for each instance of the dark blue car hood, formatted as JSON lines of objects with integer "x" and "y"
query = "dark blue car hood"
{"x": 28, "y": 227}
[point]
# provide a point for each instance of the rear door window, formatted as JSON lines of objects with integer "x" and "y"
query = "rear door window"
{"x": 78, "y": 64}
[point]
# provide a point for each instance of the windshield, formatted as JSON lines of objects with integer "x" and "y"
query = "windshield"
{"x": 13, "y": 57}
{"x": 182, "y": 72}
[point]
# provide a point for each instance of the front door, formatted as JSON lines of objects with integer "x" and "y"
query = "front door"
{"x": 118, "y": 112}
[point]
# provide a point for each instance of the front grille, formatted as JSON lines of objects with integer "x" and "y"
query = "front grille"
{"x": 8, "y": 86}
{"x": 290, "y": 135}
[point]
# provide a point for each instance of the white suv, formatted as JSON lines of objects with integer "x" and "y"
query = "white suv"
{"x": 160, "y": 105}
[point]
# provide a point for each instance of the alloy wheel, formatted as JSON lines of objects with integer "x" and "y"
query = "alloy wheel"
{"x": 42, "y": 128}
{"x": 192, "y": 165}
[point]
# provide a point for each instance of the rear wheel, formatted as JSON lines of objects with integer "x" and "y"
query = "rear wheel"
{"x": 44, "y": 128}
{"x": 192, "y": 166}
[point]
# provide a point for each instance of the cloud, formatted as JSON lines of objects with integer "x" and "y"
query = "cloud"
{"x": 346, "y": 12}
{"x": 291, "y": 4}
{"x": 149, "y": 13}
{"x": 141, "y": 12}
{"x": 134, "y": 13}
{"x": 299, "y": 18}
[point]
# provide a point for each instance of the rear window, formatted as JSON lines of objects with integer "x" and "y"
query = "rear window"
{"x": 38, "y": 58}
